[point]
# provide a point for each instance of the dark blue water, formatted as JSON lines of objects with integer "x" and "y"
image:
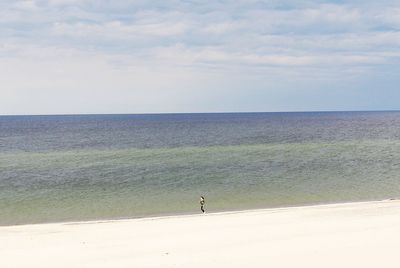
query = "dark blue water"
{"x": 66, "y": 132}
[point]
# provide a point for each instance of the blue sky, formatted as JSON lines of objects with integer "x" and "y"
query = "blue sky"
{"x": 98, "y": 56}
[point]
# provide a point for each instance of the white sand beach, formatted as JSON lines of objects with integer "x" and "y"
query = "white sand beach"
{"x": 363, "y": 234}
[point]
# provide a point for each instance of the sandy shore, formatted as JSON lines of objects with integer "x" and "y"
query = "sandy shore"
{"x": 343, "y": 235}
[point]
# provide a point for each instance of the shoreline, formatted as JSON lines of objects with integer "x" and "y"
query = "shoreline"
{"x": 186, "y": 215}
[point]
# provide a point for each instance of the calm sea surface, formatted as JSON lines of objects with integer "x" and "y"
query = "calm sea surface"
{"x": 63, "y": 168}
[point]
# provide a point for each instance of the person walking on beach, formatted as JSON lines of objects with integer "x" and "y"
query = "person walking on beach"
{"x": 202, "y": 202}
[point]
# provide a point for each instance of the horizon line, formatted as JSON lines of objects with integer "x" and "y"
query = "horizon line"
{"x": 177, "y": 113}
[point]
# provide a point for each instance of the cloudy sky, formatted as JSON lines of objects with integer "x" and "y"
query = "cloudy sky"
{"x": 134, "y": 56}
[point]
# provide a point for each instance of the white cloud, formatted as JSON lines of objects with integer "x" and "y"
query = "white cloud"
{"x": 118, "y": 29}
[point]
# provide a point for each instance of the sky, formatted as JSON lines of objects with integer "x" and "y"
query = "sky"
{"x": 171, "y": 56}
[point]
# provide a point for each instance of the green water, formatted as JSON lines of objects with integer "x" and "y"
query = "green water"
{"x": 83, "y": 184}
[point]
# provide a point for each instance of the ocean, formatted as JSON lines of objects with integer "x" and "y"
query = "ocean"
{"x": 94, "y": 167}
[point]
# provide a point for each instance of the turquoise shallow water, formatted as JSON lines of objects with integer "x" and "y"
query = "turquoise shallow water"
{"x": 140, "y": 182}
{"x": 45, "y": 180}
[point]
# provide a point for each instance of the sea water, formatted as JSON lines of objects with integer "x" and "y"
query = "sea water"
{"x": 90, "y": 167}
